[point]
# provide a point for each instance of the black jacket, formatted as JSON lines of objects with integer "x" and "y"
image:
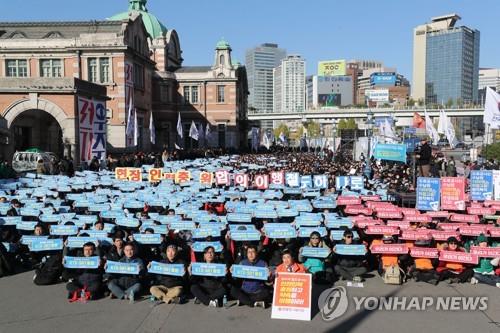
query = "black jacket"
{"x": 170, "y": 281}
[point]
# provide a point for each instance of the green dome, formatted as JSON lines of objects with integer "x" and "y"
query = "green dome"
{"x": 153, "y": 26}
{"x": 222, "y": 45}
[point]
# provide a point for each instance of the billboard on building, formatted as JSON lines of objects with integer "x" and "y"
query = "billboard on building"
{"x": 325, "y": 100}
{"x": 383, "y": 78}
{"x": 377, "y": 95}
{"x": 331, "y": 68}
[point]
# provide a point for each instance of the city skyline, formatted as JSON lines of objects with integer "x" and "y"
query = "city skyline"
{"x": 393, "y": 46}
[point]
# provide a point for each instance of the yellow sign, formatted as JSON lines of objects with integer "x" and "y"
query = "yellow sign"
{"x": 331, "y": 68}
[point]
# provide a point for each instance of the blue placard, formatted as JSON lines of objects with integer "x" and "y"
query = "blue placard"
{"x": 128, "y": 222}
{"x": 250, "y": 272}
{"x": 306, "y": 181}
{"x": 204, "y": 269}
{"x": 63, "y": 230}
{"x": 320, "y": 181}
{"x": 182, "y": 225}
{"x": 315, "y": 252}
{"x": 27, "y": 240}
{"x": 38, "y": 244}
{"x": 390, "y": 152}
{"x": 81, "y": 262}
{"x": 350, "y": 250}
{"x": 112, "y": 214}
{"x": 50, "y": 218}
{"x": 98, "y": 234}
{"x": 167, "y": 269}
{"x": 247, "y": 234}
{"x": 239, "y": 218}
{"x": 280, "y": 230}
{"x": 115, "y": 267}
{"x": 324, "y": 203}
{"x": 357, "y": 183}
{"x": 341, "y": 182}
{"x": 148, "y": 239}
{"x": 207, "y": 231}
{"x": 481, "y": 185}
{"x": 99, "y": 208}
{"x": 78, "y": 242}
{"x": 428, "y": 193}
{"x": 201, "y": 246}
{"x": 87, "y": 219}
{"x": 305, "y": 232}
{"x": 266, "y": 214}
{"x": 30, "y": 212}
{"x": 26, "y": 226}
{"x": 411, "y": 143}
{"x": 10, "y": 220}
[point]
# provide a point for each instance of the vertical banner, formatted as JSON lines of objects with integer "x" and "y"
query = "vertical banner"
{"x": 222, "y": 177}
{"x": 496, "y": 184}
{"x": 182, "y": 176}
{"x": 428, "y": 193}
{"x": 129, "y": 102}
{"x": 155, "y": 175}
{"x": 92, "y": 129}
{"x": 481, "y": 185}
{"x": 453, "y": 193}
{"x": 292, "y": 297}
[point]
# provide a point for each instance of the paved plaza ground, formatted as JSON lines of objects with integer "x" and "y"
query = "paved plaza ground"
{"x": 25, "y": 307}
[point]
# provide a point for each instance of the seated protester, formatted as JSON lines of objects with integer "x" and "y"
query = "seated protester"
{"x": 316, "y": 266}
{"x": 252, "y": 293}
{"x": 127, "y": 285}
{"x": 168, "y": 288}
{"x": 272, "y": 252}
{"x": 90, "y": 280}
{"x": 388, "y": 260}
{"x": 148, "y": 252}
{"x": 289, "y": 265}
{"x": 116, "y": 251}
{"x": 424, "y": 269}
{"x": 15, "y": 210}
{"x": 350, "y": 268}
{"x": 454, "y": 271}
{"x": 208, "y": 290}
{"x": 485, "y": 272}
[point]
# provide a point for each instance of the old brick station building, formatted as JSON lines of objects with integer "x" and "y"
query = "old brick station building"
{"x": 131, "y": 61}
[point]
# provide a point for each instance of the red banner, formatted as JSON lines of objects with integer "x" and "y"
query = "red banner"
{"x": 473, "y": 230}
{"x": 382, "y": 230}
{"x": 390, "y": 248}
{"x": 261, "y": 182}
{"x": 485, "y": 252}
{"x": 222, "y": 177}
{"x": 424, "y": 252}
{"x": 389, "y": 214}
{"x": 358, "y": 209}
{"x": 453, "y": 193}
{"x": 418, "y": 218}
{"x": 464, "y": 218}
{"x": 481, "y": 211}
{"x": 456, "y": 256}
{"x": 444, "y": 235}
{"x": 370, "y": 198}
{"x": 438, "y": 214}
{"x": 241, "y": 179}
{"x": 365, "y": 223}
{"x": 400, "y": 224}
{"x": 416, "y": 234}
{"x": 277, "y": 177}
{"x": 494, "y": 232}
{"x": 410, "y": 211}
{"x": 346, "y": 200}
{"x": 451, "y": 226}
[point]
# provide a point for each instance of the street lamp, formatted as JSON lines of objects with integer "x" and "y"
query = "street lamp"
{"x": 369, "y": 127}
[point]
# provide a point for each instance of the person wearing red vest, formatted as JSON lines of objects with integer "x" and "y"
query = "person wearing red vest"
{"x": 454, "y": 272}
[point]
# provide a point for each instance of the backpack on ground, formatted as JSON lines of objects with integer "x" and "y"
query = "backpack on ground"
{"x": 393, "y": 275}
{"x": 50, "y": 271}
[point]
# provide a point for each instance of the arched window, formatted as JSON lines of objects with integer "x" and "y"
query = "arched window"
{"x": 221, "y": 61}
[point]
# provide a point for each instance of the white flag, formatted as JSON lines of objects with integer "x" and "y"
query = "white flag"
{"x": 136, "y": 129}
{"x": 442, "y": 123}
{"x": 449, "y": 131}
{"x": 193, "y": 131}
{"x": 179, "y": 126}
{"x": 201, "y": 132}
{"x": 152, "y": 130}
{"x": 130, "y": 118}
{"x": 381, "y": 130}
{"x": 207, "y": 132}
{"x": 492, "y": 109}
{"x": 282, "y": 137}
{"x": 389, "y": 132}
{"x": 266, "y": 142}
{"x": 431, "y": 131}
{"x": 177, "y": 147}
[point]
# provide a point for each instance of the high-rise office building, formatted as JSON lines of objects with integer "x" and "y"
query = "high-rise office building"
{"x": 445, "y": 62}
{"x": 260, "y": 62}
{"x": 290, "y": 85}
